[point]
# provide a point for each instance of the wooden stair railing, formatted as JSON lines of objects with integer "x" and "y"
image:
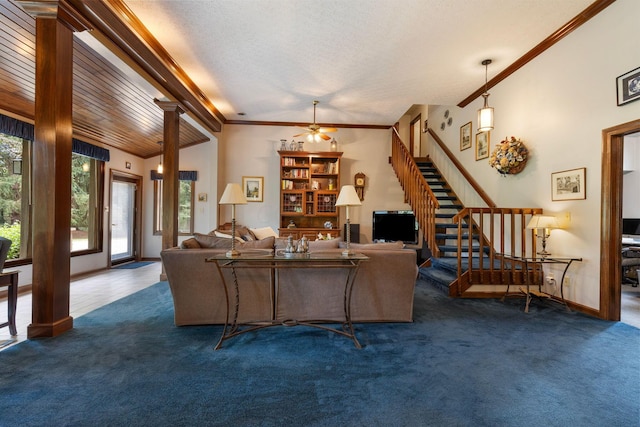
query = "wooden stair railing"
{"x": 417, "y": 192}
{"x": 501, "y": 231}
{"x": 467, "y": 176}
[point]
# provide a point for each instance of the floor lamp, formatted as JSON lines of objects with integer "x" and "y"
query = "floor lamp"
{"x": 348, "y": 197}
{"x": 233, "y": 196}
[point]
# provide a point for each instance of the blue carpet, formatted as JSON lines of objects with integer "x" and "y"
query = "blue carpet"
{"x": 461, "y": 363}
{"x": 133, "y": 265}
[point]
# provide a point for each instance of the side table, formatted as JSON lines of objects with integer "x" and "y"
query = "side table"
{"x": 10, "y": 279}
{"x": 532, "y": 266}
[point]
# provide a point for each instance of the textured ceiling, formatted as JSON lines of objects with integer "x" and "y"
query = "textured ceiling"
{"x": 367, "y": 61}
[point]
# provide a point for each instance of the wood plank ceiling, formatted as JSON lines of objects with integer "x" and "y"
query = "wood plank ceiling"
{"x": 108, "y": 107}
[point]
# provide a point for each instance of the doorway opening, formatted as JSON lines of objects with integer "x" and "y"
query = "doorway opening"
{"x": 414, "y": 136}
{"x": 611, "y": 214}
{"x": 125, "y": 221}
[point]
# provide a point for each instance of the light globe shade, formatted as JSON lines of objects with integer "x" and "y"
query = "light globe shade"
{"x": 543, "y": 221}
{"x": 348, "y": 196}
{"x": 233, "y": 195}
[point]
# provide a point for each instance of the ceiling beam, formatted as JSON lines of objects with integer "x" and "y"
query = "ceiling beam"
{"x": 591, "y": 11}
{"x": 117, "y": 25}
{"x": 306, "y": 124}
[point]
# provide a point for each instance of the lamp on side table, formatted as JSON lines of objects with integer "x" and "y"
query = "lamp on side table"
{"x": 348, "y": 197}
{"x": 542, "y": 225}
{"x": 233, "y": 196}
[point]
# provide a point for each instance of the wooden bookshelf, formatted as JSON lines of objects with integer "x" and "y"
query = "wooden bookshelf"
{"x": 309, "y": 187}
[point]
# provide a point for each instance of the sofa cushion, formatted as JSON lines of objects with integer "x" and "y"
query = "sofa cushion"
{"x": 209, "y": 241}
{"x": 263, "y": 232}
{"x": 314, "y": 245}
{"x": 366, "y": 246}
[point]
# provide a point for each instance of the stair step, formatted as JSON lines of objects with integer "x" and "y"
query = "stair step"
{"x": 457, "y": 207}
{"x": 445, "y": 215}
{"x": 450, "y": 264}
{"x": 446, "y": 225}
{"x": 427, "y": 169}
{"x": 446, "y": 198}
{"x": 452, "y": 248}
{"x": 455, "y": 236}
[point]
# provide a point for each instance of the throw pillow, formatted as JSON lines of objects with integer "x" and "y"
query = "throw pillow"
{"x": 190, "y": 244}
{"x": 209, "y": 241}
{"x": 266, "y": 243}
{"x": 227, "y": 236}
{"x": 263, "y": 232}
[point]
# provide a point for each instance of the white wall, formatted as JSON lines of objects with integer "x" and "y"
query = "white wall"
{"x": 558, "y": 104}
{"x": 252, "y": 151}
{"x": 202, "y": 158}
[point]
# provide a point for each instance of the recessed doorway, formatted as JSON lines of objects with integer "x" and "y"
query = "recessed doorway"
{"x": 124, "y": 228}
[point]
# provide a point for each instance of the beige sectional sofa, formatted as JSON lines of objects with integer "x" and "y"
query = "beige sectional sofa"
{"x": 383, "y": 290}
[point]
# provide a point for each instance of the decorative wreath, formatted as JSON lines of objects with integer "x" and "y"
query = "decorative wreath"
{"x": 509, "y": 157}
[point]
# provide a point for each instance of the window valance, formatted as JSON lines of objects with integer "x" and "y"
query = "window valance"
{"x": 182, "y": 175}
{"x": 24, "y": 130}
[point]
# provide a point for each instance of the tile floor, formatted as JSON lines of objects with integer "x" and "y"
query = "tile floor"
{"x": 87, "y": 294}
{"x": 96, "y": 290}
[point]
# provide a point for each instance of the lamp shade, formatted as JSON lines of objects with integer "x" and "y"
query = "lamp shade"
{"x": 233, "y": 195}
{"x": 543, "y": 221}
{"x": 485, "y": 118}
{"x": 348, "y": 196}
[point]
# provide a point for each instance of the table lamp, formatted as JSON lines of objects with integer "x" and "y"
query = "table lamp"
{"x": 542, "y": 225}
{"x": 233, "y": 196}
{"x": 348, "y": 197}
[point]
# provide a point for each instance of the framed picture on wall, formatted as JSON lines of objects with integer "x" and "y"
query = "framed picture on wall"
{"x": 465, "y": 136}
{"x": 482, "y": 145}
{"x": 253, "y": 188}
{"x": 628, "y": 87}
{"x": 569, "y": 185}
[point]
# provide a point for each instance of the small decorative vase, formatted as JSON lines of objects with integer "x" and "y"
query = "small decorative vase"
{"x": 283, "y": 145}
{"x": 300, "y": 146}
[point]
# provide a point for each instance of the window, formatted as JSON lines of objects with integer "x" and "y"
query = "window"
{"x": 186, "y": 193}
{"x": 87, "y": 178}
{"x": 86, "y": 202}
{"x": 14, "y": 191}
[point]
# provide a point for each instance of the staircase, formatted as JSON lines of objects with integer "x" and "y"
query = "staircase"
{"x": 442, "y": 271}
{"x": 466, "y": 243}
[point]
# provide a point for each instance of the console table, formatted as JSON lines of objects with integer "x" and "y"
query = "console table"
{"x": 265, "y": 259}
{"x": 534, "y": 265}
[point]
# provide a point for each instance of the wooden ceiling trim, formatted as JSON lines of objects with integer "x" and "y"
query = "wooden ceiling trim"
{"x": 121, "y": 27}
{"x": 591, "y": 11}
{"x": 306, "y": 124}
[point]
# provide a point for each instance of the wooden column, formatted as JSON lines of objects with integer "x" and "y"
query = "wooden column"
{"x": 170, "y": 165}
{"x": 55, "y": 23}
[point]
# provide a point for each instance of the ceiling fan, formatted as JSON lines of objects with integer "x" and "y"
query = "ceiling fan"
{"x": 314, "y": 132}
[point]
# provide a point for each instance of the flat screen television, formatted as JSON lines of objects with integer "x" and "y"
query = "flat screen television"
{"x": 631, "y": 226}
{"x": 393, "y": 226}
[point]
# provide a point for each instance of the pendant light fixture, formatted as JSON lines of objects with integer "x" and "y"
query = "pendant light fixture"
{"x": 485, "y": 114}
{"x": 160, "y": 168}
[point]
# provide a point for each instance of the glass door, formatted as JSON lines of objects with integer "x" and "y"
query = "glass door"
{"x": 123, "y": 219}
